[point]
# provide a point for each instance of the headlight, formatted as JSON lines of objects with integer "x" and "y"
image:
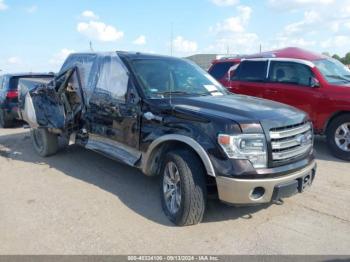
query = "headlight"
{"x": 245, "y": 146}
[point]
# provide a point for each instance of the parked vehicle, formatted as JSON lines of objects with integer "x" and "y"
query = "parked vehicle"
{"x": 223, "y": 69}
{"x": 316, "y": 84}
{"x": 9, "y": 96}
{"x": 170, "y": 118}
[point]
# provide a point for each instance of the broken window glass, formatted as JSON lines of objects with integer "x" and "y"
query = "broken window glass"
{"x": 113, "y": 78}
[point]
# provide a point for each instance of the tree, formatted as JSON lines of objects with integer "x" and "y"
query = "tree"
{"x": 346, "y": 59}
{"x": 335, "y": 56}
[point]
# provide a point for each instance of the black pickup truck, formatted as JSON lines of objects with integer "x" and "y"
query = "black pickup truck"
{"x": 168, "y": 117}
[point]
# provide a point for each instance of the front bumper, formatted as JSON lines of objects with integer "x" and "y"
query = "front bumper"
{"x": 260, "y": 191}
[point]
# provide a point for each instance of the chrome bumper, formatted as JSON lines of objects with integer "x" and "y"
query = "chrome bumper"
{"x": 239, "y": 191}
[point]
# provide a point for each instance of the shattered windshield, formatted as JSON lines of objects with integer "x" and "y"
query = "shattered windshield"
{"x": 334, "y": 71}
{"x": 161, "y": 78}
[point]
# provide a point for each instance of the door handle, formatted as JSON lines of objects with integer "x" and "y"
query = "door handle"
{"x": 150, "y": 117}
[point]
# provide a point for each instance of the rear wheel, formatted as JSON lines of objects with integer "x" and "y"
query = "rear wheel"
{"x": 4, "y": 122}
{"x": 44, "y": 142}
{"x": 338, "y": 137}
{"x": 183, "y": 188}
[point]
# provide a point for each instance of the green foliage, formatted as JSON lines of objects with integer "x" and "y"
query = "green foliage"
{"x": 345, "y": 60}
{"x": 335, "y": 56}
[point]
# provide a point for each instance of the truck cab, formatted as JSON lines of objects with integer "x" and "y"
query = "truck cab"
{"x": 169, "y": 118}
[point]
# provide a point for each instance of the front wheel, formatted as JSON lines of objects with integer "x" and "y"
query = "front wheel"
{"x": 183, "y": 188}
{"x": 44, "y": 142}
{"x": 338, "y": 137}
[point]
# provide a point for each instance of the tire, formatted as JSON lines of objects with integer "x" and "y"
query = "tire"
{"x": 44, "y": 142}
{"x": 338, "y": 139}
{"x": 4, "y": 122}
{"x": 190, "y": 207}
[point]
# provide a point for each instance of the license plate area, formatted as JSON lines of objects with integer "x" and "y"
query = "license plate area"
{"x": 305, "y": 182}
{"x": 293, "y": 187}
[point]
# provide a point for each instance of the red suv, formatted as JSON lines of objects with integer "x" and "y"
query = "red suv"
{"x": 316, "y": 84}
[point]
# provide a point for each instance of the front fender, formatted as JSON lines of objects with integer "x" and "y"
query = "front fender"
{"x": 148, "y": 157}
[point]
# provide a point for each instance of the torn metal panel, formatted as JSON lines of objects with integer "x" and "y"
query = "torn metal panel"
{"x": 52, "y": 104}
{"x": 28, "y": 114}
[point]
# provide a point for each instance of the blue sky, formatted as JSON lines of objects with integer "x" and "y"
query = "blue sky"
{"x": 37, "y": 35}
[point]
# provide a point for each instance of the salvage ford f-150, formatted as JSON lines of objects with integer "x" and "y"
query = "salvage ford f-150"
{"x": 168, "y": 117}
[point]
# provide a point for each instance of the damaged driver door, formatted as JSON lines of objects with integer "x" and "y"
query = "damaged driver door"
{"x": 113, "y": 113}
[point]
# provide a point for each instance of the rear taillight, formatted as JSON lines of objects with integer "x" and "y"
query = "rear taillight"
{"x": 12, "y": 94}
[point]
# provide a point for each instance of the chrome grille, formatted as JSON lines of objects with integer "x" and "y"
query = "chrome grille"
{"x": 292, "y": 141}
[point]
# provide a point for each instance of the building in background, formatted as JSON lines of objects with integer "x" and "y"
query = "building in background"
{"x": 205, "y": 60}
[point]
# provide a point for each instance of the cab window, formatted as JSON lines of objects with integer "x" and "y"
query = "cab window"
{"x": 290, "y": 73}
{"x": 84, "y": 63}
{"x": 251, "y": 71}
{"x": 113, "y": 78}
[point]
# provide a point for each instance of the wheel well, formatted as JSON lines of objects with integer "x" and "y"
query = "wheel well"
{"x": 154, "y": 162}
{"x": 334, "y": 116}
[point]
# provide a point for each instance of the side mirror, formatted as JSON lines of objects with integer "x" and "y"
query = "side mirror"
{"x": 314, "y": 82}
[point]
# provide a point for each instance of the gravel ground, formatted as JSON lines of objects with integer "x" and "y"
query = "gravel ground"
{"x": 79, "y": 202}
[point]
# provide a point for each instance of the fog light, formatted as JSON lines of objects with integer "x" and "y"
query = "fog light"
{"x": 258, "y": 193}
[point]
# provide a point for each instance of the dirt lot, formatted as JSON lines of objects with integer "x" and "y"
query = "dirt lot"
{"x": 79, "y": 202}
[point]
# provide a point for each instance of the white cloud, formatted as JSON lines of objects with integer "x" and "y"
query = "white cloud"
{"x": 89, "y": 14}
{"x": 241, "y": 43}
{"x": 234, "y": 24}
{"x": 99, "y": 31}
{"x": 318, "y": 21}
{"x": 232, "y": 36}
{"x": 141, "y": 40}
{"x": 225, "y": 2}
{"x": 319, "y": 15}
{"x": 308, "y": 23}
{"x": 3, "y": 6}
{"x": 14, "y": 60}
{"x": 283, "y": 41}
{"x": 338, "y": 41}
{"x": 294, "y": 4}
{"x": 32, "y": 9}
{"x": 13, "y": 64}
{"x": 181, "y": 45}
{"x": 58, "y": 59}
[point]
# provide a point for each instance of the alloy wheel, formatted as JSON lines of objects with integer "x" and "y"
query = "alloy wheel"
{"x": 342, "y": 137}
{"x": 172, "y": 188}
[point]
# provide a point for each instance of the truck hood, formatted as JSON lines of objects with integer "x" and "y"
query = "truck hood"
{"x": 242, "y": 109}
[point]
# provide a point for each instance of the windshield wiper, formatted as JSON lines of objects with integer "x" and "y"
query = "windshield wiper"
{"x": 169, "y": 93}
{"x": 339, "y": 77}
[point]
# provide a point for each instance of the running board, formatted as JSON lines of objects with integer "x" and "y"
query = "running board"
{"x": 114, "y": 150}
